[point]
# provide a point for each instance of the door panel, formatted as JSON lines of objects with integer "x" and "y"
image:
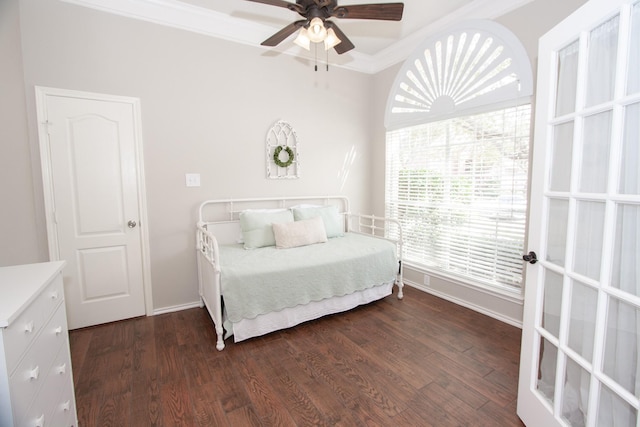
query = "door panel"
{"x": 92, "y": 162}
{"x": 96, "y": 172}
{"x": 95, "y": 286}
{"x": 581, "y": 326}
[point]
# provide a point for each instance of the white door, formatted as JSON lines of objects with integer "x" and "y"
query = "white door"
{"x": 580, "y": 347}
{"x": 90, "y": 149}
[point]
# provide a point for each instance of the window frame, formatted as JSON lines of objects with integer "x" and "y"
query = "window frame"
{"x": 455, "y": 183}
{"x": 443, "y": 53}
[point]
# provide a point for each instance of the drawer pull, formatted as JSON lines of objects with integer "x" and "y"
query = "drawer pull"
{"x": 58, "y": 330}
{"x": 55, "y": 295}
{"x": 40, "y": 421}
{"x": 66, "y": 406}
{"x": 62, "y": 369}
{"x": 28, "y": 328}
{"x": 34, "y": 373}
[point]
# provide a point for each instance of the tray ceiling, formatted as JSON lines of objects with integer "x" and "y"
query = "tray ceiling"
{"x": 379, "y": 44}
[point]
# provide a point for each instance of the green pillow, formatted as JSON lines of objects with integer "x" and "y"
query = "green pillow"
{"x": 333, "y": 221}
{"x": 256, "y": 226}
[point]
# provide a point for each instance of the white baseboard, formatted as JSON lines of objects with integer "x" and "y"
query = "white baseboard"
{"x": 180, "y": 307}
{"x": 435, "y": 292}
{"x": 464, "y": 303}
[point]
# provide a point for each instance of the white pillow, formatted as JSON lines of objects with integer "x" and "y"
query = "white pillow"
{"x": 299, "y": 233}
{"x": 333, "y": 221}
{"x": 256, "y": 226}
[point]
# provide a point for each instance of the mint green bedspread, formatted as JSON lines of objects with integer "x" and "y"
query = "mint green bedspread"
{"x": 259, "y": 281}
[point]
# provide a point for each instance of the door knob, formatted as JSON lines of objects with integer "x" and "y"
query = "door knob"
{"x": 531, "y": 257}
{"x": 131, "y": 224}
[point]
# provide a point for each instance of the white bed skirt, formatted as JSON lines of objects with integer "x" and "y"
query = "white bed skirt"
{"x": 288, "y": 317}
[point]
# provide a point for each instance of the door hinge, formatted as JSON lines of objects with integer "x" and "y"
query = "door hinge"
{"x": 48, "y": 124}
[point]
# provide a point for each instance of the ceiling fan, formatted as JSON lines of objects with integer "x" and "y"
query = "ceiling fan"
{"x": 317, "y": 28}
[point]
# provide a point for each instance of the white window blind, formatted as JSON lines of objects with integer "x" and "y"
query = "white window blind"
{"x": 459, "y": 189}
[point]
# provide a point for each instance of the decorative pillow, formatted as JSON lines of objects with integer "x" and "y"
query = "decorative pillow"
{"x": 299, "y": 233}
{"x": 256, "y": 226}
{"x": 333, "y": 221}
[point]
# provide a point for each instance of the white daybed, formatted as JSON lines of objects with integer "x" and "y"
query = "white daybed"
{"x": 251, "y": 292}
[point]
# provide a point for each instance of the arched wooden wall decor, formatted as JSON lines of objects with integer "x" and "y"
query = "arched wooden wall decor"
{"x": 283, "y": 153}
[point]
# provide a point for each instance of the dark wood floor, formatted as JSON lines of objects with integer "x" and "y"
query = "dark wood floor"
{"x": 421, "y": 361}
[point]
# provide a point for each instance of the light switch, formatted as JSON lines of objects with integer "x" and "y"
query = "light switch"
{"x": 193, "y": 179}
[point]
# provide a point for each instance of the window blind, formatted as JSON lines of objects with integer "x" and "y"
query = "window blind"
{"x": 459, "y": 189}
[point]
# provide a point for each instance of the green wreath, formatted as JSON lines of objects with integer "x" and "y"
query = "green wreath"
{"x": 276, "y": 156}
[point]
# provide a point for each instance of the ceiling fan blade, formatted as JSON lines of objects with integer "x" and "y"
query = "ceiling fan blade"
{"x": 278, "y": 37}
{"x": 281, "y": 3}
{"x": 380, "y": 11}
{"x": 345, "y": 44}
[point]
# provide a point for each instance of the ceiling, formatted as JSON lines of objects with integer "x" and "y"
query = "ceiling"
{"x": 379, "y": 44}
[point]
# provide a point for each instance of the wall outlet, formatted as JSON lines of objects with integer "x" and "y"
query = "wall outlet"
{"x": 193, "y": 179}
{"x": 427, "y": 280}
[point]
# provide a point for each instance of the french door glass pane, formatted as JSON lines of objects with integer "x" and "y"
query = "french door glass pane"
{"x": 629, "y": 177}
{"x": 557, "y": 231}
{"x": 583, "y": 319}
{"x": 567, "y": 78}
{"x": 575, "y": 397}
{"x": 633, "y": 77}
{"x": 547, "y": 369}
{"x": 595, "y": 153}
{"x": 561, "y": 161}
{"x": 625, "y": 274}
{"x": 603, "y": 50}
{"x": 621, "y": 344}
{"x": 552, "y": 302}
{"x": 589, "y": 235}
{"x": 613, "y": 411}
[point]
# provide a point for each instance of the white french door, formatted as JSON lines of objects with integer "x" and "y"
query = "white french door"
{"x": 580, "y": 358}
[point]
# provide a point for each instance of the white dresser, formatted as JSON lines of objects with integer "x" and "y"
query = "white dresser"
{"x": 36, "y": 384}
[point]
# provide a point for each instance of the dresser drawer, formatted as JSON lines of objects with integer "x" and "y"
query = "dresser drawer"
{"x": 35, "y": 368}
{"x": 55, "y": 400}
{"x": 52, "y": 296}
{"x": 19, "y": 335}
{"x": 64, "y": 412}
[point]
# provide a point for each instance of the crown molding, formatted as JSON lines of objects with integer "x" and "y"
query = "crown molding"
{"x": 176, "y": 14}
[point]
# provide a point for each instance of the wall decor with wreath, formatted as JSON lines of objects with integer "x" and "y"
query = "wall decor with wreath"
{"x": 283, "y": 154}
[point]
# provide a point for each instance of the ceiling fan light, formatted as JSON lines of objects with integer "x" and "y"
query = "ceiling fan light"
{"x": 332, "y": 40}
{"x": 303, "y": 39}
{"x": 317, "y": 32}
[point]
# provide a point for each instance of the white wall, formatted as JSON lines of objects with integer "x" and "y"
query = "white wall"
{"x": 20, "y": 240}
{"x": 207, "y": 105}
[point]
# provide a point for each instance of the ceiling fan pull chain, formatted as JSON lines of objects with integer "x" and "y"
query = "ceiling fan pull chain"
{"x": 316, "y": 55}
{"x": 327, "y": 59}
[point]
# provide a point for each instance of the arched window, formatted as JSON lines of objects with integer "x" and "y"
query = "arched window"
{"x": 476, "y": 65}
{"x": 458, "y": 127}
